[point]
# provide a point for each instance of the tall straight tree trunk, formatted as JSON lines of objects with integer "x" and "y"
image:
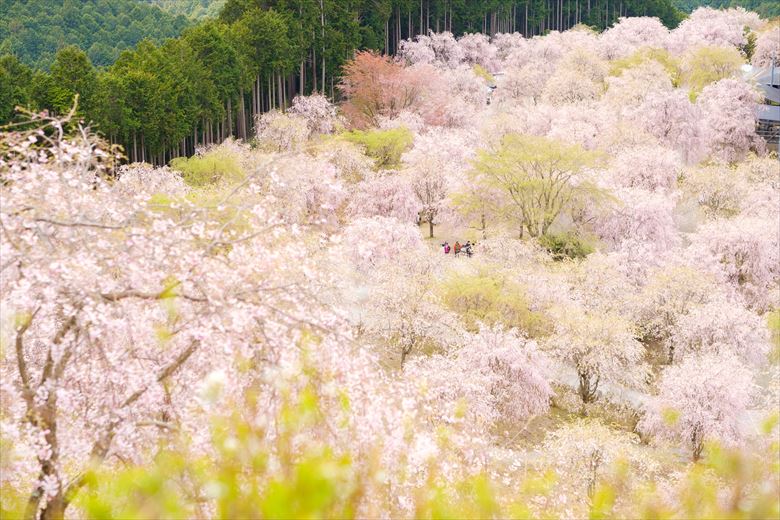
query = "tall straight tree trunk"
{"x": 229, "y": 118}
{"x": 322, "y": 49}
{"x": 526, "y": 19}
{"x": 242, "y": 109}
{"x": 281, "y": 91}
{"x": 302, "y": 78}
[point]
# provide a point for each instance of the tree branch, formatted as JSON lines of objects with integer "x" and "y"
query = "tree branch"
{"x": 102, "y": 445}
{"x": 24, "y": 374}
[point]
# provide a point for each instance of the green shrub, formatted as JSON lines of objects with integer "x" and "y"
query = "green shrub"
{"x": 481, "y": 72}
{"x": 565, "y": 245}
{"x": 644, "y": 55}
{"x": 491, "y": 298}
{"x": 211, "y": 168}
{"x": 384, "y": 146}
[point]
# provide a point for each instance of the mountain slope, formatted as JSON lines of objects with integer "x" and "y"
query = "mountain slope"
{"x": 765, "y": 8}
{"x": 33, "y": 30}
{"x": 193, "y": 9}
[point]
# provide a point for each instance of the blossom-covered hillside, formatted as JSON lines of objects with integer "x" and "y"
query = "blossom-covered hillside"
{"x": 501, "y": 277}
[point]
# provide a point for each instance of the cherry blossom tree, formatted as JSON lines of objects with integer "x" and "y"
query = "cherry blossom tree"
{"x": 139, "y": 178}
{"x": 707, "y": 26}
{"x": 602, "y": 348}
{"x": 630, "y": 34}
{"x": 505, "y": 373}
{"x": 721, "y": 327}
{"x": 728, "y": 110}
{"x": 119, "y": 302}
{"x": 523, "y": 83}
{"x": 584, "y": 451}
{"x": 671, "y": 118}
{"x": 477, "y": 50}
{"x": 634, "y": 84}
{"x": 700, "y": 400}
{"x": 509, "y": 47}
{"x": 430, "y": 188}
{"x": 317, "y": 111}
{"x": 744, "y": 251}
{"x": 407, "y": 318}
{"x": 372, "y": 241}
{"x": 653, "y": 168}
{"x": 385, "y": 195}
{"x": 376, "y": 86}
{"x": 767, "y": 48}
{"x": 638, "y": 215}
{"x": 670, "y": 294}
{"x": 583, "y": 123}
{"x": 441, "y": 49}
{"x": 281, "y": 132}
{"x": 567, "y": 86}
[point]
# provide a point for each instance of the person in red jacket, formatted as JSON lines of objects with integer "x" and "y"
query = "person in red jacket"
{"x": 457, "y": 248}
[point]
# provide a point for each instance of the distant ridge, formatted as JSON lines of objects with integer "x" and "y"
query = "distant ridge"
{"x": 34, "y": 30}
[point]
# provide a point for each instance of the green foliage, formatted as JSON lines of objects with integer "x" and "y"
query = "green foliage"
{"x": 34, "y": 30}
{"x": 749, "y": 47}
{"x": 535, "y": 176}
{"x": 15, "y": 79}
{"x": 193, "y": 9}
{"x": 566, "y": 245}
{"x": 662, "y": 56}
{"x": 707, "y": 65}
{"x": 384, "y": 146}
{"x": 246, "y": 476}
{"x": 13, "y": 502}
{"x": 480, "y": 71}
{"x": 491, "y": 298}
{"x": 212, "y": 168}
{"x": 765, "y": 8}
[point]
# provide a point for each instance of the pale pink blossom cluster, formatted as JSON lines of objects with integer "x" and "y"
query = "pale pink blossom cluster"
{"x": 631, "y": 34}
{"x": 700, "y": 400}
{"x": 767, "y": 48}
{"x": 728, "y": 109}
{"x": 136, "y": 307}
{"x": 745, "y": 251}
{"x": 318, "y": 112}
{"x": 707, "y": 26}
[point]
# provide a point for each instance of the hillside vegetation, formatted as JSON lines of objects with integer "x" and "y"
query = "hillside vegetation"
{"x": 765, "y": 8}
{"x": 161, "y": 101}
{"x": 194, "y": 9}
{"x": 34, "y": 30}
{"x": 557, "y": 298}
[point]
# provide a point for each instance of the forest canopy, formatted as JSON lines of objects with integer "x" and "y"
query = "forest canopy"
{"x": 35, "y": 30}
{"x": 194, "y": 9}
{"x": 160, "y": 99}
{"x": 765, "y": 8}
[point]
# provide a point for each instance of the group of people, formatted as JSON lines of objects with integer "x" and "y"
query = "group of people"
{"x": 459, "y": 248}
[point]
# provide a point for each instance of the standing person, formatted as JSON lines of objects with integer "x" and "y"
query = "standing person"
{"x": 467, "y": 248}
{"x": 457, "y": 248}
